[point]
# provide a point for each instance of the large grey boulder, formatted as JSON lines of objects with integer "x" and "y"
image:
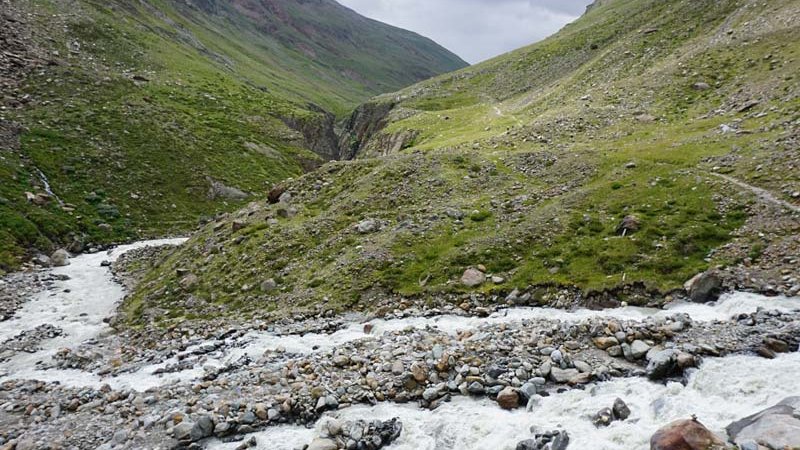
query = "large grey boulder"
{"x": 367, "y": 226}
{"x": 639, "y": 349}
{"x": 473, "y": 278}
{"x": 775, "y": 428}
{"x": 704, "y": 287}
{"x": 663, "y": 364}
{"x": 183, "y": 431}
{"x": 190, "y": 431}
{"x": 43, "y": 260}
{"x": 563, "y": 375}
{"x": 60, "y": 258}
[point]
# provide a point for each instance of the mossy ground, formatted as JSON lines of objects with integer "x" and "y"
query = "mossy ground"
{"x": 541, "y": 153}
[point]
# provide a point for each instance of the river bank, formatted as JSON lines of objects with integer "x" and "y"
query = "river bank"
{"x": 78, "y": 384}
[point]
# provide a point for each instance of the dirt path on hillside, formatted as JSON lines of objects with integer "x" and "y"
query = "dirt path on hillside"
{"x": 762, "y": 194}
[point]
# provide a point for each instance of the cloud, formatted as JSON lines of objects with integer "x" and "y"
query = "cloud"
{"x": 476, "y": 30}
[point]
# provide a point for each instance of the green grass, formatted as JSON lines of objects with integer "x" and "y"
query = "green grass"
{"x": 534, "y": 149}
{"x": 215, "y": 106}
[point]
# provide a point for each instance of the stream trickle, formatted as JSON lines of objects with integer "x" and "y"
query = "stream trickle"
{"x": 46, "y": 186}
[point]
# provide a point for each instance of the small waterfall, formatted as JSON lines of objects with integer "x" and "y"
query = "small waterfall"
{"x": 46, "y": 183}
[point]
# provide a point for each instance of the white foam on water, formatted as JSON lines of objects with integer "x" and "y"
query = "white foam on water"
{"x": 729, "y": 305}
{"x": 78, "y": 306}
{"x": 721, "y": 391}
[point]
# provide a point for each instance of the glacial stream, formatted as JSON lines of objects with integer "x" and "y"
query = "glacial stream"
{"x": 78, "y": 306}
{"x": 720, "y": 391}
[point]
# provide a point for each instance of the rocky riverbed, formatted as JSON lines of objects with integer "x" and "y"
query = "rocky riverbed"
{"x": 490, "y": 378}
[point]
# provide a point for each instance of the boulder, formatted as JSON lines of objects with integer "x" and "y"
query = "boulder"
{"x": 603, "y": 418}
{"x": 527, "y": 391}
{"x": 275, "y": 193}
{"x": 183, "y": 431}
{"x": 476, "y": 388}
{"x": 60, "y": 258}
{"x": 605, "y": 342}
{"x": 563, "y": 375}
{"x": 701, "y": 86}
{"x": 217, "y": 190}
{"x": 582, "y": 366}
{"x": 203, "y": 428}
{"x": 269, "y": 285}
{"x": 663, "y": 364}
{"x": 508, "y": 398}
{"x": 323, "y": 444}
{"x": 639, "y": 349}
{"x": 419, "y": 372}
{"x": 620, "y": 410}
{"x": 704, "y": 287}
{"x": 629, "y": 224}
{"x": 189, "y": 282}
{"x": 686, "y": 435}
{"x": 473, "y": 278}
{"x": 43, "y": 260}
{"x": 551, "y": 440}
{"x": 367, "y": 226}
{"x": 777, "y": 427}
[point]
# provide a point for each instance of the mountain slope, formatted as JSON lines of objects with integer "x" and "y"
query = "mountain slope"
{"x": 141, "y": 117}
{"x": 588, "y": 168}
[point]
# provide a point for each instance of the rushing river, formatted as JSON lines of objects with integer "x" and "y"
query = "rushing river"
{"x": 722, "y": 390}
{"x": 78, "y": 306}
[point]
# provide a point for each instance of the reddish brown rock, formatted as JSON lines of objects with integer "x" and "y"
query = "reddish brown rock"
{"x": 275, "y": 193}
{"x": 686, "y": 435}
{"x": 508, "y": 398}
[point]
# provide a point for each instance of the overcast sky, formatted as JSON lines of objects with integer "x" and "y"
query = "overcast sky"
{"x": 475, "y": 29}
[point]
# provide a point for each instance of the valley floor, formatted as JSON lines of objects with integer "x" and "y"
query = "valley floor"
{"x": 486, "y": 379}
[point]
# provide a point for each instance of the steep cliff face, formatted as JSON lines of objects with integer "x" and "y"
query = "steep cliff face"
{"x": 318, "y": 131}
{"x": 364, "y": 124}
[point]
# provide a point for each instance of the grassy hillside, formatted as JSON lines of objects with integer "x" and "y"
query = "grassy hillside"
{"x": 145, "y": 117}
{"x": 527, "y": 166}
